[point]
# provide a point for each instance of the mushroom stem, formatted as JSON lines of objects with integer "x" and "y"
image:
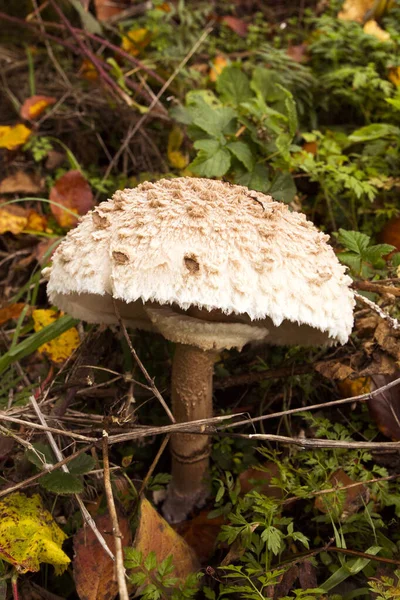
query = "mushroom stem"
{"x": 191, "y": 392}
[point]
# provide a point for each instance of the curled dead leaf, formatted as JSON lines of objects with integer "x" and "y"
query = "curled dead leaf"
{"x": 12, "y": 311}
{"x": 332, "y": 369}
{"x": 73, "y": 192}
{"x": 34, "y": 106}
{"x": 20, "y": 181}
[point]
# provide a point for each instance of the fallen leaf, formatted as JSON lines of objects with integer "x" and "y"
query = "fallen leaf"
{"x": 218, "y": 65}
{"x": 259, "y": 479}
{"x": 355, "y": 10}
{"x": 384, "y": 408}
{"x": 36, "y": 222}
{"x": 105, "y": 9}
{"x": 164, "y": 7}
{"x": 298, "y": 53}
{"x": 354, "y": 387}
{"x": 310, "y": 147}
{"x": 390, "y": 233}
{"x": 371, "y": 27}
{"x": 201, "y": 534}
{"x": 12, "y": 137}
{"x": 135, "y": 40}
{"x": 13, "y": 219}
{"x": 88, "y": 70}
{"x": 34, "y": 106}
{"x": 93, "y": 569}
{"x": 353, "y": 497}
{"x": 72, "y": 191}
{"x": 11, "y": 312}
{"x": 388, "y": 339}
{"x": 154, "y": 534}
{"x": 176, "y": 157}
{"x": 44, "y": 250}
{"x": 21, "y": 181}
{"x": 237, "y": 25}
{"x": 29, "y": 535}
{"x": 7, "y": 444}
{"x": 62, "y": 346}
{"x": 332, "y": 369}
{"x": 394, "y": 75}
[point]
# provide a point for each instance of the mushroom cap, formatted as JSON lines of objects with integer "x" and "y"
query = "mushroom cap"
{"x": 207, "y": 251}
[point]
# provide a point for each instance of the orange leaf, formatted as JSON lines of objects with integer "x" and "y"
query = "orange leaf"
{"x": 94, "y": 572}
{"x": 15, "y": 219}
{"x": 394, "y": 75}
{"x": 390, "y": 234}
{"x": 311, "y": 147}
{"x": 106, "y": 9}
{"x": 354, "y": 387}
{"x": 72, "y": 191}
{"x": 13, "y": 136}
{"x": 11, "y": 312}
{"x": 88, "y": 70}
{"x": 33, "y": 107}
{"x": 201, "y": 534}
{"x": 218, "y": 65}
{"x": 36, "y": 222}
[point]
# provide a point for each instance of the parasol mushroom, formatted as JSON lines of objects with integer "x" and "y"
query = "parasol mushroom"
{"x": 210, "y": 266}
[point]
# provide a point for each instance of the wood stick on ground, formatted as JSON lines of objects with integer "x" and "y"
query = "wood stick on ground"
{"x": 119, "y": 554}
{"x": 377, "y": 288}
{"x": 373, "y": 306}
{"x": 153, "y": 465}
{"x": 85, "y": 513}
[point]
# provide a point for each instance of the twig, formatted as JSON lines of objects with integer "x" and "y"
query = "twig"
{"x": 143, "y": 118}
{"x": 392, "y": 322}
{"x": 154, "y": 464}
{"x": 282, "y": 413}
{"x": 317, "y": 443}
{"x": 85, "y": 513}
{"x": 377, "y": 288}
{"x": 49, "y": 469}
{"x": 389, "y": 561}
{"x": 119, "y": 555}
{"x": 250, "y": 378}
{"x": 77, "y": 436}
{"x": 142, "y": 367}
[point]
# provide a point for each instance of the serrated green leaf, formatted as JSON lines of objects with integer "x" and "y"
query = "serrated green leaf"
{"x": 375, "y": 253}
{"x": 242, "y": 153}
{"x": 138, "y": 578}
{"x": 396, "y": 260}
{"x": 272, "y": 538}
{"x": 81, "y": 464}
{"x": 60, "y": 482}
{"x": 41, "y": 455}
{"x": 212, "y": 120}
{"x": 233, "y": 86}
{"x": 283, "y": 187}
{"x": 374, "y": 132}
{"x": 150, "y": 562}
{"x": 264, "y": 84}
{"x": 353, "y": 240}
{"x": 208, "y": 164}
{"x": 257, "y": 179}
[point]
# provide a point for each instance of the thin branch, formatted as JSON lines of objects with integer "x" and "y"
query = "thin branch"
{"x": 317, "y": 443}
{"x": 76, "y": 436}
{"x": 373, "y": 306}
{"x": 154, "y": 464}
{"x": 142, "y": 367}
{"x": 85, "y": 513}
{"x": 119, "y": 554}
{"x": 377, "y": 288}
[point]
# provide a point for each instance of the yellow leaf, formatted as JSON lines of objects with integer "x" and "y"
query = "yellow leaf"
{"x": 14, "y": 223}
{"x": 354, "y": 387}
{"x": 372, "y": 28}
{"x": 29, "y": 535}
{"x": 36, "y": 222}
{"x": 218, "y": 65}
{"x": 62, "y": 346}
{"x": 12, "y": 137}
{"x": 355, "y": 10}
{"x": 88, "y": 70}
{"x": 394, "y": 75}
{"x": 136, "y": 40}
{"x": 176, "y": 158}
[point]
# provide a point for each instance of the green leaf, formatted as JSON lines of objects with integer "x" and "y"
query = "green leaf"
{"x": 264, "y": 83}
{"x": 283, "y": 187}
{"x": 60, "y": 482}
{"x": 283, "y": 142}
{"x": 88, "y": 21}
{"x": 233, "y": 86}
{"x": 375, "y": 253}
{"x": 273, "y": 538}
{"x": 374, "y": 132}
{"x": 242, "y": 153}
{"x": 351, "y": 260}
{"x": 150, "y": 562}
{"x": 257, "y": 179}
{"x": 349, "y": 569}
{"x": 41, "y": 455}
{"x": 353, "y": 240}
{"x": 212, "y": 161}
{"x": 396, "y": 260}
{"x": 81, "y": 464}
{"x": 211, "y": 119}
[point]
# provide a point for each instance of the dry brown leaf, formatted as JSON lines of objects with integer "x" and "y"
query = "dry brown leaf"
{"x": 371, "y": 27}
{"x": 237, "y": 25}
{"x": 354, "y": 497}
{"x": 21, "y": 181}
{"x": 332, "y": 369}
{"x": 11, "y": 137}
{"x": 34, "y": 106}
{"x": 388, "y": 339}
{"x": 105, "y": 9}
{"x": 355, "y": 10}
{"x": 154, "y": 534}
{"x": 72, "y": 191}
{"x": 390, "y": 234}
{"x": 93, "y": 568}
{"x": 201, "y": 534}
{"x": 44, "y": 250}
{"x": 384, "y": 408}
{"x": 298, "y": 53}
{"x": 260, "y": 480}
{"x": 11, "y": 312}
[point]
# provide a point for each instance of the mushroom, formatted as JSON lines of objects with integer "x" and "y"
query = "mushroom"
{"x": 210, "y": 266}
